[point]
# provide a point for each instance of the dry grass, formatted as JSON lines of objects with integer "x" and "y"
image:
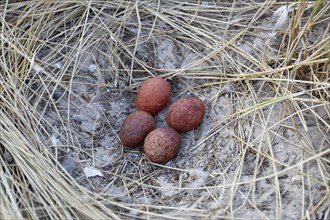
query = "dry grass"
{"x": 265, "y": 156}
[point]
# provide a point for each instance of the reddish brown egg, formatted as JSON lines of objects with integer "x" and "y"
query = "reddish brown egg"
{"x": 185, "y": 114}
{"x": 162, "y": 145}
{"x": 153, "y": 95}
{"x": 135, "y": 128}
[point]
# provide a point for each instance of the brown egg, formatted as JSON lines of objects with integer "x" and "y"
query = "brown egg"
{"x": 153, "y": 95}
{"x": 162, "y": 145}
{"x": 185, "y": 114}
{"x": 135, "y": 128}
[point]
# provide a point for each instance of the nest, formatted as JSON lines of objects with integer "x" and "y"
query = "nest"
{"x": 69, "y": 76}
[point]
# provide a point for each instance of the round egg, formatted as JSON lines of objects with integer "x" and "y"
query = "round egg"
{"x": 153, "y": 95}
{"x": 162, "y": 145}
{"x": 135, "y": 128}
{"x": 185, "y": 114}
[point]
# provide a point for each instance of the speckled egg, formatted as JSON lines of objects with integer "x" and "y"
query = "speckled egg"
{"x": 185, "y": 114}
{"x": 162, "y": 145}
{"x": 153, "y": 95}
{"x": 135, "y": 128}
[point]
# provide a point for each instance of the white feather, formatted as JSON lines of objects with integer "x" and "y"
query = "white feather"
{"x": 281, "y": 15}
{"x": 91, "y": 172}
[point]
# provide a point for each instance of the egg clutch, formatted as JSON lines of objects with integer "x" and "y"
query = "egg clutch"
{"x": 139, "y": 128}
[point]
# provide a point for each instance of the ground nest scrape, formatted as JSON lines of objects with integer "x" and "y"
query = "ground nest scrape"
{"x": 69, "y": 76}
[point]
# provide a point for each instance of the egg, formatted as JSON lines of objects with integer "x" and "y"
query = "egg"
{"x": 153, "y": 95}
{"x": 162, "y": 145}
{"x": 135, "y": 128}
{"x": 185, "y": 114}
